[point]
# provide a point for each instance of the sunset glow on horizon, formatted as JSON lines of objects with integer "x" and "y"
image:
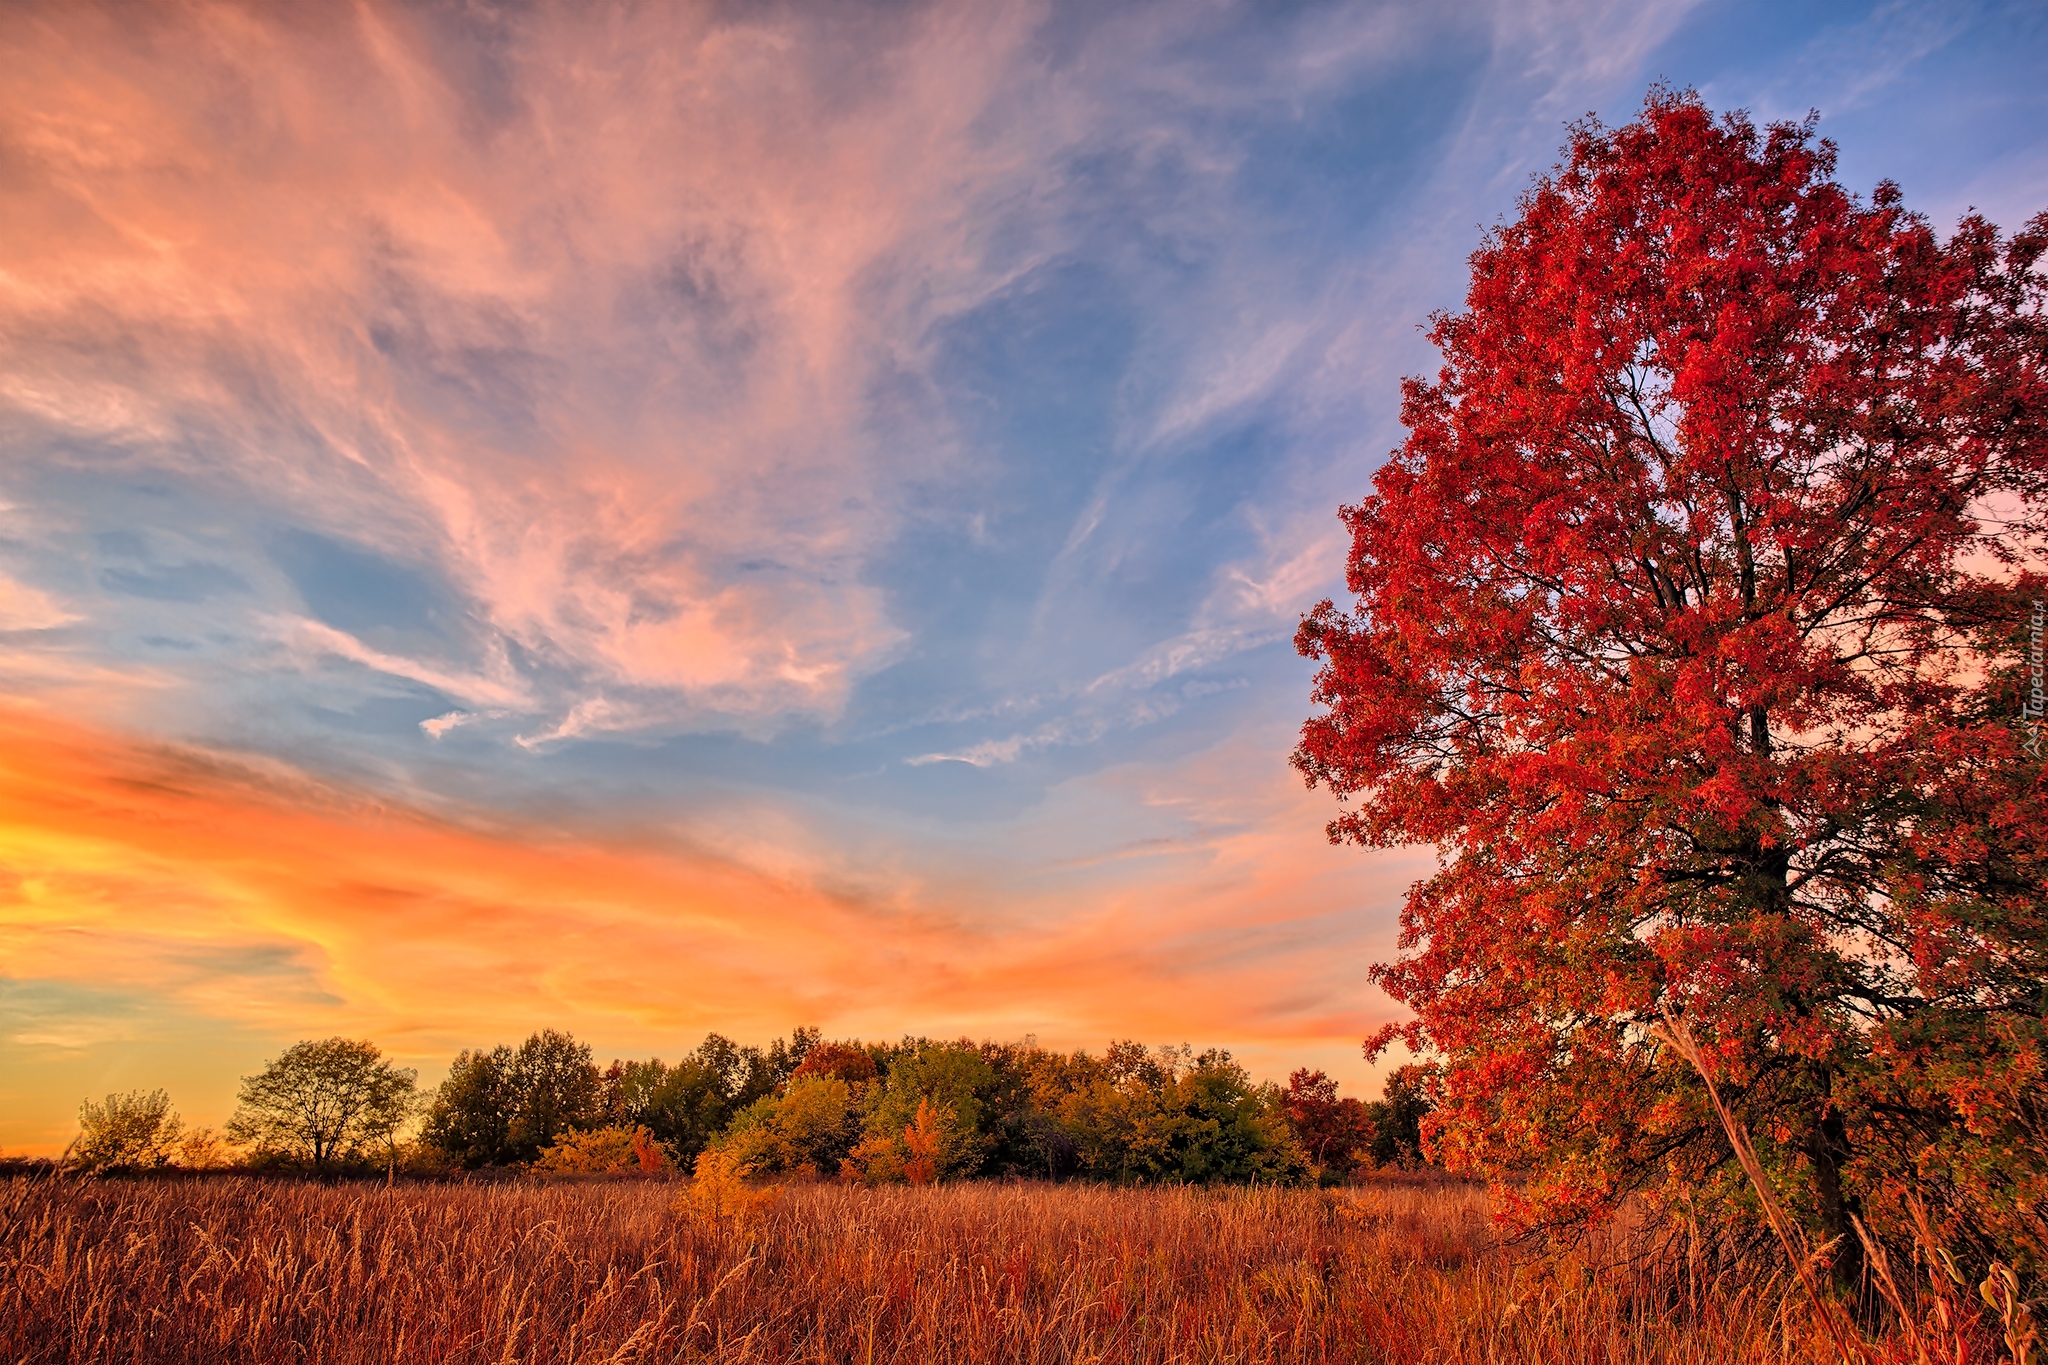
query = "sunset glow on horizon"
{"x": 661, "y": 518}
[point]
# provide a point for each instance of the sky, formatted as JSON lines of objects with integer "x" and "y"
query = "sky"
{"x": 659, "y": 518}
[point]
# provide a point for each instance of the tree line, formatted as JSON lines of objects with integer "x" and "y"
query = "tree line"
{"x": 913, "y": 1111}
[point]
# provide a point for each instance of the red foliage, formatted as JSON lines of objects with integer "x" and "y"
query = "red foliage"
{"x": 843, "y": 1060}
{"x": 925, "y": 1142}
{"x": 1336, "y": 1133}
{"x": 648, "y": 1153}
{"x": 1687, "y": 630}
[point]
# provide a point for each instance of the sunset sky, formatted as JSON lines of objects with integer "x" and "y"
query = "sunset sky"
{"x": 667, "y": 517}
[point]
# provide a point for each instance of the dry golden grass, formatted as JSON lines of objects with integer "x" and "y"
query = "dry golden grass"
{"x": 225, "y": 1270}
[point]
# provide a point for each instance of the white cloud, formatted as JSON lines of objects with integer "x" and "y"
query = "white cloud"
{"x": 313, "y": 640}
{"x": 26, "y": 608}
{"x": 589, "y": 716}
{"x": 437, "y": 726}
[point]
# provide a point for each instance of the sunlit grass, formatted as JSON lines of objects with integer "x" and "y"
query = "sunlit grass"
{"x": 240, "y": 1269}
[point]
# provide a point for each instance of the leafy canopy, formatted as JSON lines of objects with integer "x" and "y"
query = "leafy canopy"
{"x": 1687, "y": 627}
{"x": 135, "y": 1131}
{"x": 324, "y": 1102}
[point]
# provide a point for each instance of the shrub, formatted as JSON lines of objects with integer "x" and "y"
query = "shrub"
{"x": 807, "y": 1131}
{"x": 718, "y": 1195}
{"x": 600, "y": 1151}
{"x": 135, "y": 1131}
{"x": 203, "y": 1149}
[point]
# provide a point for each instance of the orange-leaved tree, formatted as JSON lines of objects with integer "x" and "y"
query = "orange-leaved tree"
{"x": 1690, "y": 626}
{"x": 1336, "y": 1133}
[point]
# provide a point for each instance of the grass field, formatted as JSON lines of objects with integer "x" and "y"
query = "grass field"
{"x": 241, "y": 1269}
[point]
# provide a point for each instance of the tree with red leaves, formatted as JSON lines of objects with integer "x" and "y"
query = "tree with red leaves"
{"x": 1690, "y": 627}
{"x": 1336, "y": 1132}
{"x": 847, "y": 1061}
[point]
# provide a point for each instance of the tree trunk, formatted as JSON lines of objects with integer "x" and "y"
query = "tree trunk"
{"x": 1827, "y": 1146}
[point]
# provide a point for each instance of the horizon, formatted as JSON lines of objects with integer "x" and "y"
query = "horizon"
{"x": 655, "y": 522}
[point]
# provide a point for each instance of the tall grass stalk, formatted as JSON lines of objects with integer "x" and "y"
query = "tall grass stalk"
{"x": 1948, "y": 1335}
{"x": 1790, "y": 1236}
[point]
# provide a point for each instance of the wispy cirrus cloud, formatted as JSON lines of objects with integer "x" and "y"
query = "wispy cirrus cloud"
{"x": 539, "y": 302}
{"x": 601, "y": 352}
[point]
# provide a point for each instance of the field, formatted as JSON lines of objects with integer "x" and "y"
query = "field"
{"x": 240, "y": 1269}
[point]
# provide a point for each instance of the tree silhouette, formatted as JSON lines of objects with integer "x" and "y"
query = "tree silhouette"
{"x": 323, "y": 1102}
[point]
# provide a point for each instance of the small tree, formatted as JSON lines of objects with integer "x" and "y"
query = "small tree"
{"x": 324, "y": 1102}
{"x": 1336, "y": 1133}
{"x": 135, "y": 1131}
{"x": 1397, "y": 1118}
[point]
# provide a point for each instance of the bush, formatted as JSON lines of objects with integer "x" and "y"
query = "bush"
{"x": 131, "y": 1132}
{"x": 604, "y": 1151}
{"x": 808, "y": 1131}
{"x": 203, "y": 1149}
{"x": 719, "y": 1195}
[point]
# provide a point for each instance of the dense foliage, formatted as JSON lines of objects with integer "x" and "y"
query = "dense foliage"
{"x": 920, "y": 1111}
{"x": 1690, "y": 626}
{"x": 136, "y": 1131}
{"x": 508, "y": 1105}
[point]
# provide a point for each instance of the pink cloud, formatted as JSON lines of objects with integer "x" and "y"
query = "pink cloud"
{"x": 583, "y": 352}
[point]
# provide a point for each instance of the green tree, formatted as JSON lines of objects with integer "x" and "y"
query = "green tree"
{"x": 1397, "y": 1118}
{"x": 686, "y": 1105}
{"x": 748, "y": 1073}
{"x": 1230, "y": 1130}
{"x": 1151, "y": 1116}
{"x": 556, "y": 1089}
{"x": 135, "y": 1131}
{"x": 322, "y": 1103}
{"x": 470, "y": 1120}
{"x": 959, "y": 1085}
{"x": 807, "y": 1131}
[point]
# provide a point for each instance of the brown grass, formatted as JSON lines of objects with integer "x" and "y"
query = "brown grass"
{"x": 242, "y": 1269}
